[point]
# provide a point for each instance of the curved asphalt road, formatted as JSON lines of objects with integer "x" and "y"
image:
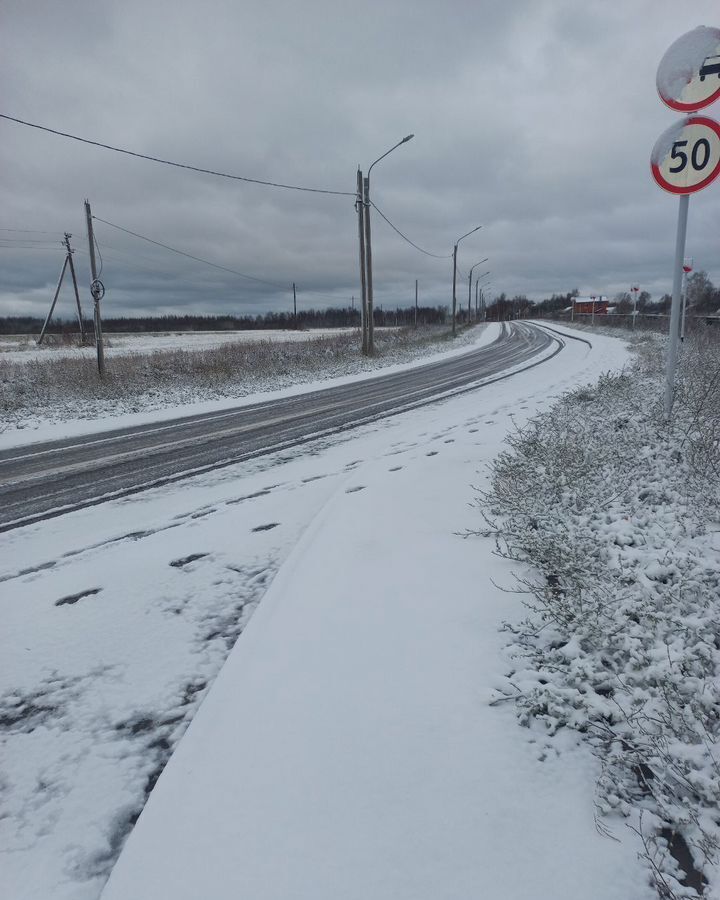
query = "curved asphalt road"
{"x": 45, "y": 480}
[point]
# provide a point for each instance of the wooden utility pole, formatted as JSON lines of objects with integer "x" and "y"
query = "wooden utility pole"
{"x": 75, "y": 286}
{"x": 68, "y": 261}
{"x": 294, "y": 307}
{"x": 368, "y": 265}
{"x": 54, "y": 301}
{"x": 97, "y": 289}
{"x": 363, "y": 283}
{"x": 416, "y": 302}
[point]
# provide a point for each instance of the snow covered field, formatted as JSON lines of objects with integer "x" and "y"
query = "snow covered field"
{"x": 22, "y": 348}
{"x": 348, "y": 748}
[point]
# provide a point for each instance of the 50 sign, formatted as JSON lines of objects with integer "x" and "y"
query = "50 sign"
{"x": 686, "y": 157}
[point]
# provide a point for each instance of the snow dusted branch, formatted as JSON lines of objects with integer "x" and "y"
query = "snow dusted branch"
{"x": 617, "y": 513}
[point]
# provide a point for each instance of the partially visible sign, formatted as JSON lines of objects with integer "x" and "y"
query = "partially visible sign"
{"x": 686, "y": 157}
{"x": 688, "y": 77}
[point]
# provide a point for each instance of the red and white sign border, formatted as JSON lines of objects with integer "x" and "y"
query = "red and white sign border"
{"x": 689, "y": 107}
{"x": 674, "y": 189}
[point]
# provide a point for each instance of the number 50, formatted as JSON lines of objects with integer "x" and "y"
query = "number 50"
{"x": 699, "y": 155}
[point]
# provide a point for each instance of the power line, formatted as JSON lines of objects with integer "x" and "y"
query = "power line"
{"x": 167, "y": 162}
{"x": 29, "y": 231}
{"x": 24, "y": 247}
{"x": 190, "y": 255}
{"x": 28, "y": 241}
{"x": 405, "y": 238}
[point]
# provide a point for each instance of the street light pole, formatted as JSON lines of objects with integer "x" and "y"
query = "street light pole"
{"x": 370, "y": 349}
{"x": 470, "y": 282}
{"x": 454, "y": 295}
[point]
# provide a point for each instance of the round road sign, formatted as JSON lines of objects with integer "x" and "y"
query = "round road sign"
{"x": 688, "y": 77}
{"x": 686, "y": 157}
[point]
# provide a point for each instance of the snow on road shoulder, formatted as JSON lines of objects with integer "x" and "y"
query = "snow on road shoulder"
{"x": 347, "y": 748}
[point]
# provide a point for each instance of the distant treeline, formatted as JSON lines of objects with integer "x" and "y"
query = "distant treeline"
{"x": 307, "y": 318}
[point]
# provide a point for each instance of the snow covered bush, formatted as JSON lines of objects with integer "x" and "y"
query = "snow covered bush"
{"x": 616, "y": 514}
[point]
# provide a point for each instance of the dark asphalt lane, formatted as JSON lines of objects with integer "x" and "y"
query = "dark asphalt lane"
{"x": 44, "y": 480}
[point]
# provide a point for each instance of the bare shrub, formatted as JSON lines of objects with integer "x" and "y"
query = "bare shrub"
{"x": 611, "y": 508}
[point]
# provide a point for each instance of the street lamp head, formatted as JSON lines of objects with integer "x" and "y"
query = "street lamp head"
{"x": 472, "y": 231}
{"x": 394, "y": 147}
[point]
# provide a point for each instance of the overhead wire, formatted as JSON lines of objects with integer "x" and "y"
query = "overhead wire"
{"x": 406, "y": 238}
{"x": 177, "y": 165}
{"x": 10, "y": 241}
{"x": 24, "y": 247}
{"x": 29, "y": 231}
{"x": 304, "y": 294}
{"x": 150, "y": 240}
{"x": 97, "y": 247}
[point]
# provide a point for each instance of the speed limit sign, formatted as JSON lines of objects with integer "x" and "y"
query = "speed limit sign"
{"x": 686, "y": 157}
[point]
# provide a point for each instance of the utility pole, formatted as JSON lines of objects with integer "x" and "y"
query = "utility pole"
{"x": 360, "y": 206}
{"x": 416, "y": 302}
{"x": 75, "y": 286}
{"x": 97, "y": 289}
{"x": 294, "y": 307}
{"x": 635, "y": 288}
{"x": 369, "y": 285}
{"x": 477, "y": 288}
{"x": 68, "y": 261}
{"x": 54, "y": 301}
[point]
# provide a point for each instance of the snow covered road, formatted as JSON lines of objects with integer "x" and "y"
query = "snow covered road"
{"x": 347, "y": 748}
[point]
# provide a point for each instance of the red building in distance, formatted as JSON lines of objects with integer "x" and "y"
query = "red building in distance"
{"x": 585, "y": 305}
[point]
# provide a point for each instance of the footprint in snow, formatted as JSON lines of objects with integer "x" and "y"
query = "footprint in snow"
{"x": 353, "y": 490}
{"x": 432, "y": 453}
{"x": 179, "y": 563}
{"x": 267, "y": 527}
{"x": 395, "y": 469}
{"x": 73, "y": 598}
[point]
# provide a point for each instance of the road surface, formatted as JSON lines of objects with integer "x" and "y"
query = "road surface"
{"x": 44, "y": 480}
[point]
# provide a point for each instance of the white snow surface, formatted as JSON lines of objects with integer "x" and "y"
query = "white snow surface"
{"x": 24, "y": 348}
{"x": 347, "y": 748}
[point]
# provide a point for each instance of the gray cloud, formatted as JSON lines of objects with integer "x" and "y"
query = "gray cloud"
{"x": 535, "y": 119}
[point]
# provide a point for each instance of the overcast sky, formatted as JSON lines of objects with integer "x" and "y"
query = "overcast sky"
{"x": 535, "y": 119}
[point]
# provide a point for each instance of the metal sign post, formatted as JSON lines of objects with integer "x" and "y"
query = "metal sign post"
{"x": 686, "y": 156}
